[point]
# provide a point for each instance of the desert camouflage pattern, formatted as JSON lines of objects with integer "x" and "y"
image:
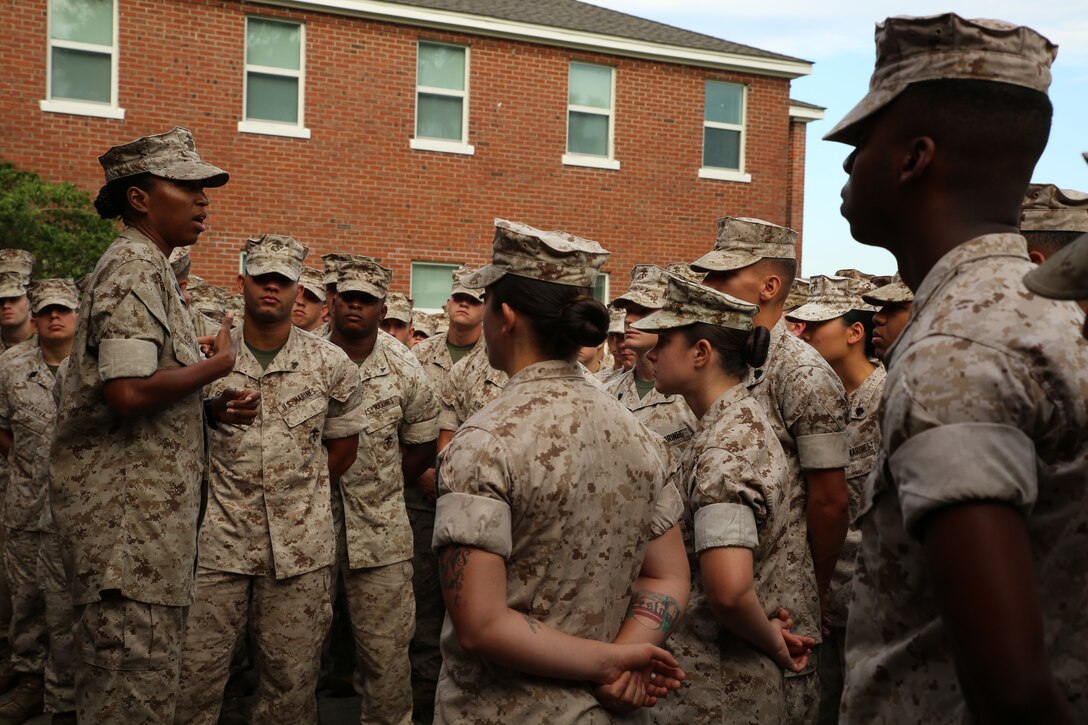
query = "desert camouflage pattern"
{"x": 980, "y": 403}
{"x": 549, "y": 256}
{"x": 128, "y": 502}
{"x": 798, "y": 294}
{"x": 471, "y": 384}
{"x": 684, "y": 270}
{"x": 28, "y": 627}
{"x": 401, "y": 409}
{"x": 734, "y": 479}
{"x": 60, "y": 662}
{"x": 573, "y": 532}
{"x": 208, "y": 299}
{"x": 423, "y": 322}
{"x": 398, "y": 306}
{"x": 743, "y": 241}
{"x": 275, "y": 253}
{"x": 807, "y": 407}
{"x": 831, "y": 297}
{"x": 667, "y": 415}
{"x": 914, "y": 49}
{"x": 355, "y": 273}
{"x": 459, "y": 287}
{"x": 16, "y": 267}
{"x": 269, "y": 510}
{"x": 181, "y": 262}
{"x": 171, "y": 155}
{"x": 12, "y": 284}
{"x": 689, "y": 302}
{"x": 649, "y": 287}
{"x": 1064, "y": 276}
{"x": 297, "y": 610}
{"x": 896, "y": 290}
{"x": 312, "y": 280}
{"x": 46, "y": 292}
{"x": 27, "y": 411}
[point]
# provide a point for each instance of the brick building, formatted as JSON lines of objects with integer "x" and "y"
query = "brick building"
{"x": 401, "y": 129}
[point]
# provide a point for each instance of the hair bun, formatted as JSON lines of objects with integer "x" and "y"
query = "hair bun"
{"x": 584, "y": 320}
{"x": 756, "y": 346}
{"x": 106, "y": 203}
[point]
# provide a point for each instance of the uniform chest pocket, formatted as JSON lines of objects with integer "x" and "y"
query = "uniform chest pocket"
{"x": 382, "y": 425}
{"x": 34, "y": 420}
{"x": 295, "y": 414}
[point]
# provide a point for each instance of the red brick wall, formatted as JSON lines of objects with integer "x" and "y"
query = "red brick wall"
{"x": 795, "y": 205}
{"x": 356, "y": 186}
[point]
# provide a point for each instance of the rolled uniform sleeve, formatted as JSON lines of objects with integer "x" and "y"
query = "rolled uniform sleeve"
{"x": 728, "y": 500}
{"x": 420, "y": 409}
{"x": 473, "y": 507}
{"x": 132, "y": 336}
{"x": 817, "y": 414}
{"x": 449, "y": 393}
{"x": 346, "y": 416}
{"x": 962, "y": 446}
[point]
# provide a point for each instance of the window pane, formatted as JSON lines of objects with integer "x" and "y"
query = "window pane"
{"x": 81, "y": 76}
{"x": 273, "y": 44}
{"x": 587, "y": 134}
{"x": 272, "y": 98}
{"x": 439, "y": 117}
{"x": 723, "y": 102}
{"x": 441, "y": 66}
{"x": 721, "y": 148}
{"x": 600, "y": 288}
{"x": 85, "y": 21}
{"x": 590, "y": 85}
{"x": 431, "y": 285}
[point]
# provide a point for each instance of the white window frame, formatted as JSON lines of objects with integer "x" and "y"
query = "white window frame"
{"x": 594, "y": 162}
{"x": 438, "y": 144}
{"x": 76, "y": 107}
{"x": 412, "y": 279}
{"x": 607, "y": 287}
{"x": 275, "y": 128}
{"x": 718, "y": 172}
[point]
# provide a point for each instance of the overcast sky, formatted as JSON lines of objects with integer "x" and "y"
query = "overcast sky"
{"x": 838, "y": 38}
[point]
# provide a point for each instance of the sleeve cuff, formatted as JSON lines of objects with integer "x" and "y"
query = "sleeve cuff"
{"x": 725, "y": 524}
{"x": 344, "y": 426}
{"x": 470, "y": 520}
{"x": 447, "y": 420}
{"x": 823, "y": 450}
{"x": 668, "y": 509}
{"x": 127, "y": 358}
{"x": 964, "y": 462}
{"x": 424, "y": 431}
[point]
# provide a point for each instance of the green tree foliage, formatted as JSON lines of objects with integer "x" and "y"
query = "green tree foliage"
{"x": 55, "y": 222}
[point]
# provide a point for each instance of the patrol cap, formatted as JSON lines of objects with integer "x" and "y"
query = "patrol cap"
{"x": 171, "y": 155}
{"x": 46, "y": 292}
{"x": 798, "y": 294}
{"x": 831, "y": 297}
{"x": 616, "y": 318}
{"x": 915, "y": 49}
{"x": 11, "y": 285}
{"x": 525, "y": 251}
{"x": 894, "y": 291}
{"x": 688, "y": 303}
{"x": 19, "y": 262}
{"x": 441, "y": 322}
{"x": 459, "y": 287}
{"x": 208, "y": 299}
{"x": 423, "y": 322}
{"x": 743, "y": 241}
{"x": 1050, "y": 209}
{"x": 181, "y": 262}
{"x": 356, "y": 273}
{"x": 649, "y": 287}
{"x": 331, "y": 262}
{"x": 313, "y": 281}
{"x": 1063, "y": 276}
{"x": 683, "y": 269}
{"x": 854, "y": 274}
{"x": 275, "y": 254}
{"x": 235, "y": 304}
{"x": 398, "y": 306}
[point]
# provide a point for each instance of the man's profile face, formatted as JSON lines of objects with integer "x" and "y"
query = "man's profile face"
{"x": 868, "y": 194}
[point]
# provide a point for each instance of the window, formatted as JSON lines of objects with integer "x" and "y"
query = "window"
{"x": 431, "y": 285}
{"x": 600, "y": 288}
{"x": 590, "y": 93}
{"x": 442, "y": 99}
{"x": 82, "y": 65}
{"x": 274, "y": 80}
{"x": 723, "y": 132}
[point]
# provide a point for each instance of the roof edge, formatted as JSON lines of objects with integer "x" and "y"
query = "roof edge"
{"x": 804, "y": 112}
{"x": 390, "y": 11}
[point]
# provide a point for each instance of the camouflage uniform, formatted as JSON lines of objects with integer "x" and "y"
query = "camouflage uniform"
{"x": 471, "y": 384}
{"x": 978, "y": 404}
{"x": 267, "y": 542}
{"x": 401, "y": 410}
{"x": 667, "y": 415}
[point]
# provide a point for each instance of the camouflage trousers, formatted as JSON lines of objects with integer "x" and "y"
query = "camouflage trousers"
{"x": 60, "y": 661}
{"x": 832, "y": 673}
{"x": 27, "y": 632}
{"x": 424, "y": 652}
{"x": 803, "y": 693}
{"x": 5, "y": 596}
{"x": 129, "y": 653}
{"x": 287, "y": 620}
{"x": 382, "y": 611}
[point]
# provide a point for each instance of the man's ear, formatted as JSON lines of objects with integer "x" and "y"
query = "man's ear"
{"x": 1036, "y": 256}
{"x": 919, "y": 156}
{"x": 772, "y": 286}
{"x": 241, "y": 283}
{"x": 509, "y": 317}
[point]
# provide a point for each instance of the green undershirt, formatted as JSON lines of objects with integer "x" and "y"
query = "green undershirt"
{"x": 264, "y": 357}
{"x": 643, "y": 387}
{"x": 53, "y": 369}
{"x": 458, "y": 351}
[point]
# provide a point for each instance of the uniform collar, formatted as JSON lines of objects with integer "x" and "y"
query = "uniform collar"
{"x": 41, "y": 374}
{"x": 758, "y": 375}
{"x": 546, "y": 370}
{"x": 867, "y": 396}
{"x": 377, "y": 362}
{"x": 724, "y": 402}
{"x": 287, "y": 359}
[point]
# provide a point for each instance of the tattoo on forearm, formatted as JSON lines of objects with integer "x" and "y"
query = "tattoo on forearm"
{"x": 656, "y": 611}
{"x": 533, "y": 624}
{"x": 451, "y": 570}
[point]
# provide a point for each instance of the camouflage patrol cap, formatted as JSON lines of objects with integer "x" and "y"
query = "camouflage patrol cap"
{"x": 894, "y": 291}
{"x": 459, "y": 287}
{"x": 208, "y": 299}
{"x": 398, "y": 306}
{"x": 649, "y": 287}
{"x": 616, "y": 318}
{"x": 171, "y": 155}
{"x": 441, "y": 322}
{"x": 423, "y": 322}
{"x": 688, "y": 302}
{"x": 683, "y": 269}
{"x": 331, "y": 262}
{"x": 46, "y": 292}
{"x": 11, "y": 285}
{"x": 525, "y": 251}
{"x": 235, "y": 304}
{"x": 798, "y": 294}
{"x": 831, "y": 297}
{"x": 1063, "y": 276}
{"x": 911, "y": 50}
{"x": 181, "y": 262}
{"x": 17, "y": 261}
{"x": 313, "y": 281}
{"x": 854, "y": 274}
{"x": 1050, "y": 209}
{"x": 275, "y": 254}
{"x": 743, "y": 241}
{"x": 356, "y": 273}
